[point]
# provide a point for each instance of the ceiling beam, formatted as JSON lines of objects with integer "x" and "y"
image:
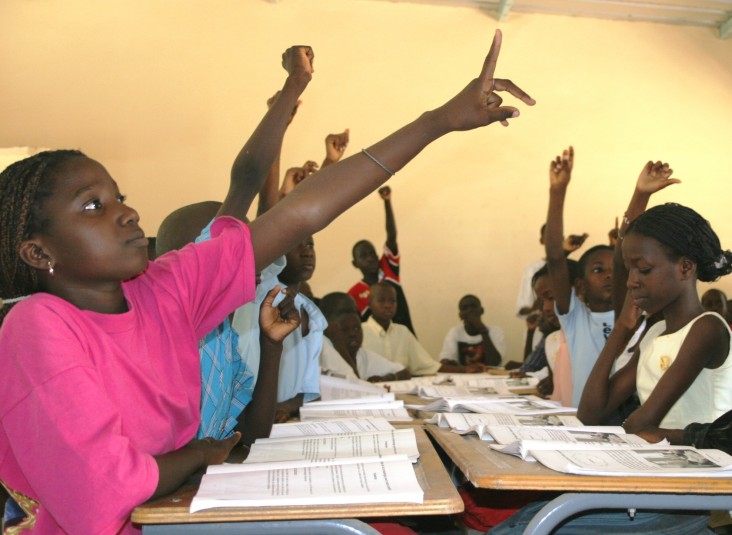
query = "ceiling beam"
{"x": 725, "y": 30}
{"x": 504, "y": 6}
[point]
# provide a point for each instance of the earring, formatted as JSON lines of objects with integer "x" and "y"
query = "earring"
{"x": 50, "y": 268}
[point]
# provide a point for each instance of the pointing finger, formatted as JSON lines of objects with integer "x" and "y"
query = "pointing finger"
{"x": 489, "y": 66}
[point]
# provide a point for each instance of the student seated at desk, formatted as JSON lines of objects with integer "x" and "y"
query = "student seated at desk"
{"x": 472, "y": 342}
{"x": 391, "y": 340}
{"x": 342, "y": 353}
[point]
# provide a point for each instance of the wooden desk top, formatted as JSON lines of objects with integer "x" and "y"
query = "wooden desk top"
{"x": 486, "y": 468}
{"x": 440, "y": 498}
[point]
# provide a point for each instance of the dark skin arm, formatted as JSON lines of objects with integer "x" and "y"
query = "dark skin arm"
{"x": 176, "y": 467}
{"x": 329, "y": 192}
{"x": 450, "y": 366}
{"x": 560, "y": 172}
{"x": 275, "y": 324}
{"x": 401, "y": 375}
{"x": 254, "y": 161}
{"x": 391, "y": 230}
{"x": 269, "y": 193}
{"x": 288, "y": 409}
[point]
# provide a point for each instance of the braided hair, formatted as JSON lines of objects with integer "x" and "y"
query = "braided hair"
{"x": 683, "y": 232}
{"x": 24, "y": 186}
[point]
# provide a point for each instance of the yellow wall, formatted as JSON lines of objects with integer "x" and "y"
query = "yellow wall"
{"x": 164, "y": 92}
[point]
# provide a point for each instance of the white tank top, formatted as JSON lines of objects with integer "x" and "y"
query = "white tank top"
{"x": 708, "y": 397}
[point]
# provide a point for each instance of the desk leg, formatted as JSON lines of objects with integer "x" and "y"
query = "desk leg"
{"x": 567, "y": 505}
{"x": 272, "y": 527}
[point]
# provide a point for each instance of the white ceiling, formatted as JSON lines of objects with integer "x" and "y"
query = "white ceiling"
{"x": 709, "y": 13}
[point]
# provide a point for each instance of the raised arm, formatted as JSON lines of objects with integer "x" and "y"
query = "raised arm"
{"x": 269, "y": 193}
{"x": 255, "y": 159}
{"x": 560, "y": 172}
{"x": 652, "y": 178}
{"x": 391, "y": 231}
{"x": 329, "y": 192}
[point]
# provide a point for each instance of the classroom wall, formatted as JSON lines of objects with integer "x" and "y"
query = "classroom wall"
{"x": 165, "y": 92}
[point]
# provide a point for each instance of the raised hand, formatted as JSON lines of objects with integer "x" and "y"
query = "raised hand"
{"x": 385, "y": 193}
{"x": 298, "y": 61}
{"x": 277, "y": 322}
{"x": 573, "y": 242}
{"x": 479, "y": 103}
{"x": 309, "y": 167}
{"x": 293, "y": 177}
{"x": 654, "y": 177}
{"x": 560, "y": 168}
{"x": 335, "y": 146}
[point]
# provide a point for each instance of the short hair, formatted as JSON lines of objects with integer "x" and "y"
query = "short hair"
{"x": 469, "y": 296}
{"x": 24, "y": 186}
{"x": 182, "y": 226}
{"x": 584, "y": 259}
{"x": 336, "y": 304}
{"x": 358, "y": 244}
{"x": 544, "y": 271}
{"x": 382, "y": 284}
{"x": 683, "y": 232}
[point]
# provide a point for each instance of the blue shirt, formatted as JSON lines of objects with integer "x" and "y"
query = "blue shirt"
{"x": 227, "y": 382}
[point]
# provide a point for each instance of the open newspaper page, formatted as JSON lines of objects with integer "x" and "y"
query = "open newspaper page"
{"x": 369, "y": 482}
{"x": 459, "y": 404}
{"x": 670, "y": 461}
{"x": 465, "y": 423}
{"x": 328, "y": 448}
{"x": 523, "y": 441}
{"x": 339, "y": 426}
{"x": 333, "y": 388}
{"x": 392, "y": 411}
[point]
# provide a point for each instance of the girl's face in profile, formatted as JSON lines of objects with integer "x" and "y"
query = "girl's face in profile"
{"x": 654, "y": 279}
{"x": 91, "y": 236}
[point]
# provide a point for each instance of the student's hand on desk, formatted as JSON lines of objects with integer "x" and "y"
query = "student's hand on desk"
{"x": 475, "y": 368}
{"x": 546, "y": 386}
{"x": 214, "y": 451}
{"x": 479, "y": 103}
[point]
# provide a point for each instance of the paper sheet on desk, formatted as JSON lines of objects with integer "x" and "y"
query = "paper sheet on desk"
{"x": 328, "y": 427}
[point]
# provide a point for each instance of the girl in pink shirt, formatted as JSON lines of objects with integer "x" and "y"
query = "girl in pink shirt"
{"x": 99, "y": 349}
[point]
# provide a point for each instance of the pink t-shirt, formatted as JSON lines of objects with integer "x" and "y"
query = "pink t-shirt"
{"x": 88, "y": 399}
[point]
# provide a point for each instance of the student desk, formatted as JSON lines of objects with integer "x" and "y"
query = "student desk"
{"x": 171, "y": 514}
{"x": 486, "y": 468}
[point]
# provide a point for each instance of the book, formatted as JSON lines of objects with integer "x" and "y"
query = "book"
{"x": 322, "y": 469}
{"x": 330, "y": 448}
{"x": 528, "y": 405}
{"x": 392, "y": 411}
{"x": 392, "y": 481}
{"x": 328, "y": 427}
{"x": 468, "y": 423}
{"x": 668, "y": 461}
{"x": 524, "y": 441}
{"x": 333, "y": 388}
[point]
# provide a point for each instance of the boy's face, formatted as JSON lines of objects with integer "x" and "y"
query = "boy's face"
{"x": 469, "y": 307}
{"x": 383, "y": 302}
{"x": 546, "y": 296}
{"x": 713, "y": 301}
{"x": 346, "y": 334}
{"x": 366, "y": 259}
{"x": 597, "y": 281}
{"x": 300, "y": 263}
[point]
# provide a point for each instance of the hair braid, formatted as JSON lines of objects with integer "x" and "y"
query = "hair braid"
{"x": 683, "y": 232}
{"x": 24, "y": 185}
